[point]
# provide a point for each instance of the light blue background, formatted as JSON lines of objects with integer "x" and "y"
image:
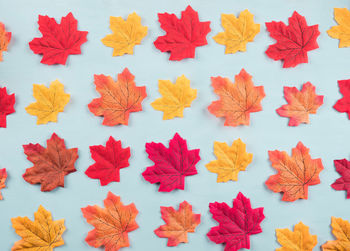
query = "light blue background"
{"x": 327, "y": 135}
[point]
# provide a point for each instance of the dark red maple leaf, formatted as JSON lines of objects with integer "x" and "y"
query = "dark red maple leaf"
{"x": 236, "y": 224}
{"x": 109, "y": 160}
{"x": 343, "y": 104}
{"x": 58, "y": 40}
{"x": 7, "y": 103}
{"x": 343, "y": 168}
{"x": 293, "y": 41}
{"x": 171, "y": 165}
{"x": 182, "y": 35}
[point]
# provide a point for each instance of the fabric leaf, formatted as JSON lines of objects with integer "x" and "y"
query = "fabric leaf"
{"x": 230, "y": 160}
{"x": 341, "y": 230}
{"x": 51, "y": 164}
{"x": 41, "y": 234}
{"x": 7, "y": 103}
{"x": 118, "y": 99}
{"x": 171, "y": 165}
{"x": 182, "y": 35}
{"x": 343, "y": 104}
{"x": 343, "y": 168}
{"x": 299, "y": 240}
{"x": 294, "y": 173}
{"x": 5, "y": 38}
{"x": 300, "y": 104}
{"x": 178, "y": 223}
{"x": 58, "y": 41}
{"x": 111, "y": 223}
{"x": 238, "y": 31}
{"x": 236, "y": 224}
{"x": 49, "y": 102}
{"x": 109, "y": 160}
{"x": 342, "y": 30}
{"x": 126, "y": 34}
{"x": 293, "y": 41}
{"x": 175, "y": 97}
{"x": 237, "y": 100}
{"x": 3, "y": 177}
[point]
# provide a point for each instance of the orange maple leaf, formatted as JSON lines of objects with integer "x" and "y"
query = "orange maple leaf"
{"x": 237, "y": 100}
{"x": 295, "y": 173}
{"x": 111, "y": 223}
{"x": 178, "y": 223}
{"x": 3, "y": 177}
{"x": 118, "y": 99}
{"x": 5, "y": 38}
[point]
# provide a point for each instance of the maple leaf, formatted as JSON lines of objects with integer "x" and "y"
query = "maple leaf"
{"x": 299, "y": 239}
{"x": 41, "y": 234}
{"x": 118, "y": 99}
{"x": 293, "y": 41}
{"x": 7, "y": 103}
{"x": 343, "y": 104}
{"x": 58, "y": 40}
{"x": 178, "y": 223}
{"x": 341, "y": 230}
{"x": 126, "y": 34}
{"x": 3, "y": 177}
{"x": 51, "y": 164}
{"x": 295, "y": 173}
{"x": 112, "y": 223}
{"x": 300, "y": 104}
{"x": 49, "y": 102}
{"x": 343, "y": 168}
{"x": 341, "y": 31}
{"x": 238, "y": 31}
{"x": 182, "y": 35}
{"x": 230, "y": 160}
{"x": 109, "y": 161}
{"x": 171, "y": 165}
{"x": 236, "y": 224}
{"x": 175, "y": 97}
{"x": 237, "y": 100}
{"x": 5, "y": 38}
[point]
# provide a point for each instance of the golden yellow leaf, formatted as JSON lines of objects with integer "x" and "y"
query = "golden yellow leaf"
{"x": 238, "y": 31}
{"x": 49, "y": 102}
{"x": 341, "y": 230}
{"x": 341, "y": 31}
{"x": 41, "y": 234}
{"x": 230, "y": 160}
{"x": 126, "y": 34}
{"x": 175, "y": 97}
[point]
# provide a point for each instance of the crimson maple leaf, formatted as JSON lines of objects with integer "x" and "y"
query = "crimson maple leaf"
{"x": 109, "y": 160}
{"x": 343, "y": 104}
{"x": 293, "y": 41}
{"x": 7, "y": 103}
{"x": 171, "y": 165}
{"x": 58, "y": 40}
{"x": 182, "y": 35}
{"x": 236, "y": 224}
{"x": 343, "y": 168}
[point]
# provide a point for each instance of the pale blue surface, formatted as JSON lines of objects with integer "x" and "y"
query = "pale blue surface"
{"x": 327, "y": 136}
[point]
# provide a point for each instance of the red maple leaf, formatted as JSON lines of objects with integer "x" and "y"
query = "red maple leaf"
{"x": 109, "y": 160}
{"x": 7, "y": 103}
{"x": 293, "y": 41}
{"x": 343, "y": 104}
{"x": 182, "y": 35}
{"x": 236, "y": 224}
{"x": 171, "y": 165}
{"x": 58, "y": 40}
{"x": 343, "y": 168}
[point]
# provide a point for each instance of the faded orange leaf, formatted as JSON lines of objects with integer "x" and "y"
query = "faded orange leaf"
{"x": 3, "y": 177}
{"x": 5, "y": 38}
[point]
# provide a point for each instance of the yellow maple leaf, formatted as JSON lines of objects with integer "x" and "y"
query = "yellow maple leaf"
{"x": 298, "y": 240}
{"x": 50, "y": 101}
{"x": 238, "y": 31}
{"x": 341, "y": 230}
{"x": 230, "y": 160}
{"x": 41, "y": 234}
{"x": 341, "y": 31}
{"x": 126, "y": 34}
{"x": 175, "y": 97}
